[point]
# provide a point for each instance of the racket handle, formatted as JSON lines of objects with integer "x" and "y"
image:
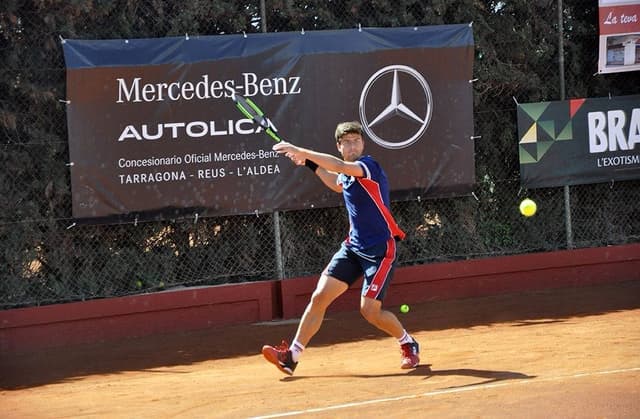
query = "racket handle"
{"x": 273, "y": 135}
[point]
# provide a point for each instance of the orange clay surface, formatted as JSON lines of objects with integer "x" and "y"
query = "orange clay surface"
{"x": 553, "y": 354}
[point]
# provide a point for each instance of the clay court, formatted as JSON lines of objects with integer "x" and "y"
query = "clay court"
{"x": 571, "y": 352}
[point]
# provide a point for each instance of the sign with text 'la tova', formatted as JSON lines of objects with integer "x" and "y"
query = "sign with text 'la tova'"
{"x": 579, "y": 141}
{"x": 153, "y": 131}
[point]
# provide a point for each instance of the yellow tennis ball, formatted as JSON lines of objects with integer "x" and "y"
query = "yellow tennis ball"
{"x": 528, "y": 207}
{"x": 404, "y": 308}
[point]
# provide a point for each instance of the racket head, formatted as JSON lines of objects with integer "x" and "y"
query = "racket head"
{"x": 250, "y": 110}
{"x": 255, "y": 114}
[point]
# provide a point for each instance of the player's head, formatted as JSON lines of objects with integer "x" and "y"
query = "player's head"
{"x": 350, "y": 127}
{"x": 349, "y": 140}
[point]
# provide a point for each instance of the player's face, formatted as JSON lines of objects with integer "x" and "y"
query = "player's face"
{"x": 351, "y": 146}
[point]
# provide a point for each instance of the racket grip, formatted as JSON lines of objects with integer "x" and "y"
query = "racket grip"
{"x": 311, "y": 165}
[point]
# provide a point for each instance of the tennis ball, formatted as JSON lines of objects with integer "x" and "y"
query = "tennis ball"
{"x": 528, "y": 207}
{"x": 139, "y": 284}
{"x": 404, "y": 308}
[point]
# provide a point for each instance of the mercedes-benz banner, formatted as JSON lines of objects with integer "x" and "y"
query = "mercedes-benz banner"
{"x": 153, "y": 131}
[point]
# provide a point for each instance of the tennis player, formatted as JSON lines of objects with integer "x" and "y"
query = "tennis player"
{"x": 369, "y": 250}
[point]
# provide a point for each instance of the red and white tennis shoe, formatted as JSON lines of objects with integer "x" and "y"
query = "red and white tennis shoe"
{"x": 280, "y": 356}
{"x": 410, "y": 355}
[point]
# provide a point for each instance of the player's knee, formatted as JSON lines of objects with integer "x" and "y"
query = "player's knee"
{"x": 370, "y": 312}
{"x": 327, "y": 290}
{"x": 320, "y": 299}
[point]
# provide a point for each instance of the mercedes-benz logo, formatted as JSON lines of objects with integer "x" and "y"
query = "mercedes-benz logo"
{"x": 419, "y": 117}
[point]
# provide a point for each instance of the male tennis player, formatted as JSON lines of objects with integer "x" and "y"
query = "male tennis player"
{"x": 369, "y": 250}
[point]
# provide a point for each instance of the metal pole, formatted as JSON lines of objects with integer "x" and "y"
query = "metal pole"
{"x": 561, "y": 49}
{"x": 263, "y": 15}
{"x": 278, "y": 244}
{"x": 277, "y": 236}
{"x": 567, "y": 192}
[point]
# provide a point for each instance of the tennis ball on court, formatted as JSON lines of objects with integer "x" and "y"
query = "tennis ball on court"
{"x": 404, "y": 308}
{"x": 528, "y": 207}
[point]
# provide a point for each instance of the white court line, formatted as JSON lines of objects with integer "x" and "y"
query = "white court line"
{"x": 445, "y": 391}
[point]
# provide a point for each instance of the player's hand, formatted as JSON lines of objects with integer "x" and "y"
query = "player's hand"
{"x": 284, "y": 147}
{"x": 294, "y": 153}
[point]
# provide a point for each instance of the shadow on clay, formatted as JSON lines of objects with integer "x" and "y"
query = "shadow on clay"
{"x": 426, "y": 371}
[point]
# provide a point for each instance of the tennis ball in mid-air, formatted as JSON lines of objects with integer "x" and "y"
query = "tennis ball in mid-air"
{"x": 528, "y": 207}
{"x": 404, "y": 308}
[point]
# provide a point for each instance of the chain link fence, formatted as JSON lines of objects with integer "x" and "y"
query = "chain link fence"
{"x": 45, "y": 258}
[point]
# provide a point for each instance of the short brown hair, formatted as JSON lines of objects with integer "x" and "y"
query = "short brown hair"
{"x": 351, "y": 127}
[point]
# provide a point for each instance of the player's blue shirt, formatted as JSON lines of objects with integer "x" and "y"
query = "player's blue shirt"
{"x": 367, "y": 202}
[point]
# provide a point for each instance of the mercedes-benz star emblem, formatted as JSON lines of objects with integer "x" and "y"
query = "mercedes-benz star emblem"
{"x": 419, "y": 117}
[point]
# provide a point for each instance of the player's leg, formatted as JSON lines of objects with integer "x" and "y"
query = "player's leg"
{"x": 388, "y": 322}
{"x": 286, "y": 357}
{"x": 327, "y": 290}
{"x": 384, "y": 320}
{"x": 378, "y": 266}
{"x": 343, "y": 265}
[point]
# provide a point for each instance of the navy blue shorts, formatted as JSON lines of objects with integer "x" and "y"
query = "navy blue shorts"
{"x": 375, "y": 263}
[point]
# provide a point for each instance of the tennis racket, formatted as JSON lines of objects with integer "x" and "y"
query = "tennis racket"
{"x": 255, "y": 114}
